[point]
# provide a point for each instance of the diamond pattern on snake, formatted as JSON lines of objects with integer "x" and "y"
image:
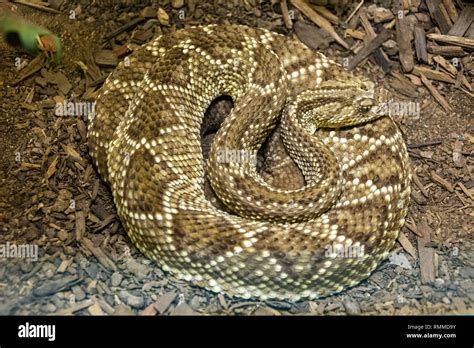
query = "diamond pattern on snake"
{"x": 268, "y": 242}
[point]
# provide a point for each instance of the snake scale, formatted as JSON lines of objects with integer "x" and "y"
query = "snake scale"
{"x": 270, "y": 243}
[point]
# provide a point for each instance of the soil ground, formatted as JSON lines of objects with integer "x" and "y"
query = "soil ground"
{"x": 51, "y": 196}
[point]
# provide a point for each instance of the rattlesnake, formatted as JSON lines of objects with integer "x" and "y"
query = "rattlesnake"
{"x": 268, "y": 243}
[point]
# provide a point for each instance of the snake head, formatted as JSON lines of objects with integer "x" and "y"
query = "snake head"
{"x": 342, "y": 103}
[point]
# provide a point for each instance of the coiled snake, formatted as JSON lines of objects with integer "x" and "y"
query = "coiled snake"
{"x": 270, "y": 242}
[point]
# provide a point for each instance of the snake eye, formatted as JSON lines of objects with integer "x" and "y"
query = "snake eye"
{"x": 366, "y": 104}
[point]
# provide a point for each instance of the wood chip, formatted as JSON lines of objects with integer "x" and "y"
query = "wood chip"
{"x": 286, "y": 15}
{"x": 182, "y": 309}
{"x": 327, "y": 14}
{"x": 465, "y": 19}
{"x": 443, "y": 182}
{"x": 379, "y": 55}
{"x": 426, "y": 255}
{"x": 106, "y": 58}
{"x": 75, "y": 307}
{"x": 129, "y": 25}
{"x": 80, "y": 224}
{"x": 43, "y": 6}
{"x": 149, "y": 311}
{"x": 447, "y": 51}
{"x": 71, "y": 152}
{"x": 451, "y": 10}
{"x": 403, "y": 85}
{"x": 419, "y": 184}
{"x": 222, "y": 301}
{"x": 164, "y": 302}
{"x": 266, "y": 311}
{"x": 420, "y": 44}
{"x": 368, "y": 49}
{"x": 467, "y": 192}
{"x": 318, "y": 20}
{"x": 434, "y": 92}
{"x": 437, "y": 75}
{"x": 406, "y": 244}
{"x": 453, "y": 40}
{"x": 95, "y": 309}
{"x": 418, "y": 197}
{"x": 51, "y": 287}
{"x": 434, "y": 6}
{"x": 30, "y": 69}
{"x": 412, "y": 227}
{"x": 64, "y": 265}
{"x": 311, "y": 36}
{"x": 103, "y": 259}
{"x": 123, "y": 309}
{"x": 446, "y": 65}
{"x": 104, "y": 223}
{"x": 52, "y": 167}
{"x": 404, "y": 37}
{"x": 356, "y": 34}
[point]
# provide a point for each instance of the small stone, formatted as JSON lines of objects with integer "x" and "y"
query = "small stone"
{"x": 116, "y": 279}
{"x": 439, "y": 282}
{"x": 197, "y": 301}
{"x": 26, "y": 267}
{"x": 391, "y": 47}
{"x": 399, "y": 259}
{"x": 148, "y": 12}
{"x": 352, "y": 307}
{"x": 427, "y": 290}
{"x": 467, "y": 272}
{"x": 92, "y": 270}
{"x": 62, "y": 235}
{"x": 139, "y": 270}
{"x": 50, "y": 308}
{"x": 78, "y": 293}
{"x": 177, "y": 3}
{"x": 446, "y": 300}
{"x": 182, "y": 309}
{"x": 133, "y": 301}
{"x": 399, "y": 302}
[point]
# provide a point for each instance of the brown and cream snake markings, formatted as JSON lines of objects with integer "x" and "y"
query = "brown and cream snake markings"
{"x": 269, "y": 243}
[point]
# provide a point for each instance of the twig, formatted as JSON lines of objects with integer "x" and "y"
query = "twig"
{"x": 36, "y": 6}
{"x": 453, "y": 40}
{"x": 434, "y": 92}
{"x": 286, "y": 14}
{"x": 354, "y": 12}
{"x": 428, "y": 143}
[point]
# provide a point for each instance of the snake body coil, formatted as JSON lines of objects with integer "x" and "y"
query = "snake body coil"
{"x": 270, "y": 243}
